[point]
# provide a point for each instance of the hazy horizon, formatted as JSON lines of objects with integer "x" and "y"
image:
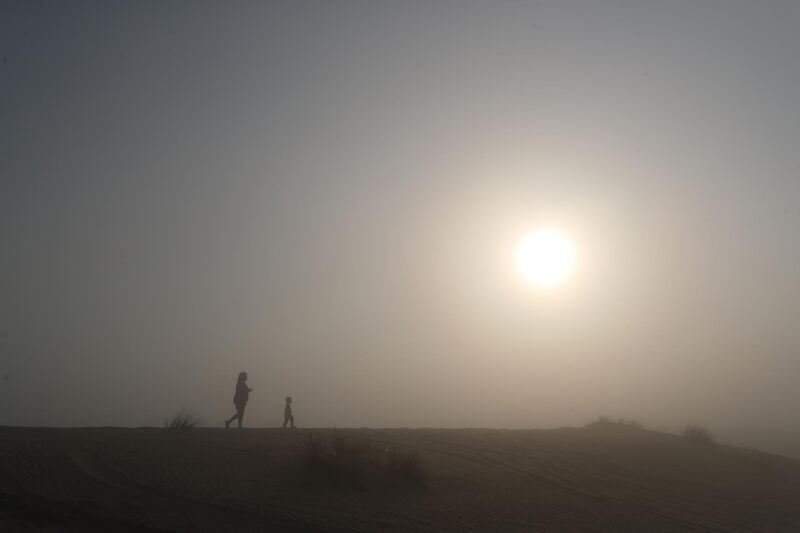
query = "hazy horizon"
{"x": 328, "y": 195}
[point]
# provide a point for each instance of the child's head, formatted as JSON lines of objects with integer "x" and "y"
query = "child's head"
{"x": 288, "y": 399}
{"x": 242, "y": 376}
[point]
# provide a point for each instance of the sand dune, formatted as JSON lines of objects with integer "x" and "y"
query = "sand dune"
{"x": 588, "y": 479}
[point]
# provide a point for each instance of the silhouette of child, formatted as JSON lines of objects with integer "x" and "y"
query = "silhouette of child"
{"x": 240, "y": 399}
{"x": 287, "y": 412}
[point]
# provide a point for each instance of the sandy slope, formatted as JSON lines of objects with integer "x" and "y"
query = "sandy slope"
{"x": 595, "y": 479}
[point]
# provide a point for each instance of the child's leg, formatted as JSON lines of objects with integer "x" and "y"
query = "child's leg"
{"x": 291, "y": 419}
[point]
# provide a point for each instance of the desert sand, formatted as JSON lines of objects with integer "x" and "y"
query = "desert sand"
{"x": 569, "y": 479}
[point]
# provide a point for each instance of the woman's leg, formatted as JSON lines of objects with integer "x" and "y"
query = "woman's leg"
{"x": 240, "y": 414}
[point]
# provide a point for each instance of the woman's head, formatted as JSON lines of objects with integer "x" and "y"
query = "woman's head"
{"x": 288, "y": 399}
{"x": 242, "y": 376}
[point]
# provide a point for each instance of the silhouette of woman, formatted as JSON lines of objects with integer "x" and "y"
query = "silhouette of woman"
{"x": 240, "y": 399}
{"x": 287, "y": 412}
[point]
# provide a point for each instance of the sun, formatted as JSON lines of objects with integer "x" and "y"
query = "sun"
{"x": 545, "y": 258}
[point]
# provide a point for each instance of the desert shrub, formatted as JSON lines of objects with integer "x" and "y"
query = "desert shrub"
{"x": 607, "y": 421}
{"x": 406, "y": 468}
{"x": 337, "y": 462}
{"x": 600, "y": 421}
{"x": 698, "y": 434}
{"x": 181, "y": 421}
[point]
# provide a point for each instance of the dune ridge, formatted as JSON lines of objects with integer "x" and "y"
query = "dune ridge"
{"x": 568, "y": 479}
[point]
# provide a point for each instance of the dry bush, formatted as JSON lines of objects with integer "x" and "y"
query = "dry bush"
{"x": 181, "y": 421}
{"x": 406, "y": 468}
{"x": 337, "y": 462}
{"x": 698, "y": 434}
{"x": 607, "y": 421}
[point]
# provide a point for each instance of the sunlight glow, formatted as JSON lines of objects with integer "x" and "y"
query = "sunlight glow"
{"x": 545, "y": 258}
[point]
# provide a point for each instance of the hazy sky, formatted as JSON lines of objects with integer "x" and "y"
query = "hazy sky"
{"x": 328, "y": 195}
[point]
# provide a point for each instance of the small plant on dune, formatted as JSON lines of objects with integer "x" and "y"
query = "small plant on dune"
{"x": 181, "y": 421}
{"x": 607, "y": 421}
{"x": 341, "y": 463}
{"x": 336, "y": 462}
{"x": 600, "y": 421}
{"x": 406, "y": 468}
{"x": 341, "y": 445}
{"x": 698, "y": 434}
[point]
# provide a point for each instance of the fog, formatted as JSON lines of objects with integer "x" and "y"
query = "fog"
{"x": 328, "y": 195}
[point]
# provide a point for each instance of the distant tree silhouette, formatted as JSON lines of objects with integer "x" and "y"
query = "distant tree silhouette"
{"x": 240, "y": 400}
